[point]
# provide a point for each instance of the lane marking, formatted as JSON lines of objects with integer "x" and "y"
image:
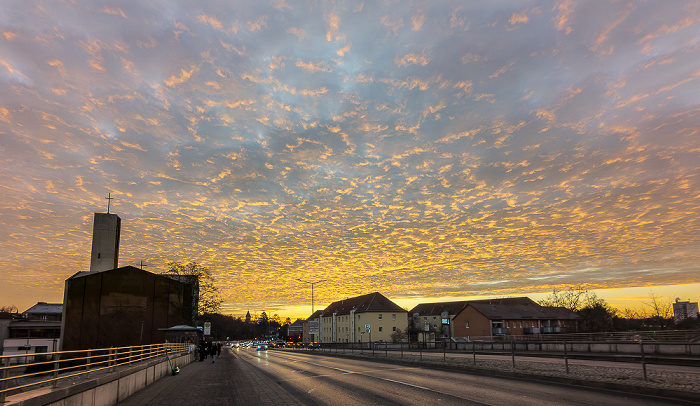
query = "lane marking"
{"x": 366, "y": 373}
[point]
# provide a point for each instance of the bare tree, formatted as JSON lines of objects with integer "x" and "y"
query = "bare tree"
{"x": 209, "y": 300}
{"x": 658, "y": 306}
{"x": 398, "y": 335}
{"x": 573, "y": 298}
{"x": 9, "y": 309}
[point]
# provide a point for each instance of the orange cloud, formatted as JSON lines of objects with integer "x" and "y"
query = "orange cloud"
{"x": 182, "y": 78}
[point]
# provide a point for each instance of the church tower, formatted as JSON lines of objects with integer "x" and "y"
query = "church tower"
{"x": 105, "y": 242}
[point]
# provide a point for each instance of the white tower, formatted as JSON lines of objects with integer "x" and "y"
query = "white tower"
{"x": 105, "y": 242}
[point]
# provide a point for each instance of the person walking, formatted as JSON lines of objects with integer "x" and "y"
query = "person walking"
{"x": 218, "y": 349}
{"x": 202, "y": 350}
{"x": 212, "y": 351}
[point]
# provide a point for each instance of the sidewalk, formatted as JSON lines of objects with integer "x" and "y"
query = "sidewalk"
{"x": 228, "y": 381}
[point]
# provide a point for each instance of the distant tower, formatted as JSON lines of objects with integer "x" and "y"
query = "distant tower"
{"x": 247, "y": 317}
{"x": 105, "y": 242}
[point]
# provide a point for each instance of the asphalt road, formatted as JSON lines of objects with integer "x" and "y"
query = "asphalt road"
{"x": 249, "y": 377}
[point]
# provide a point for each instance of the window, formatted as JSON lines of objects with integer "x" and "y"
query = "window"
{"x": 380, "y": 329}
{"x": 380, "y": 317}
{"x": 521, "y": 324}
{"x": 393, "y": 317}
{"x": 467, "y": 326}
{"x": 507, "y": 324}
{"x": 393, "y": 328}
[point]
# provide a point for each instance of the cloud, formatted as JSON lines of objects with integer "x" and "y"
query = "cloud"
{"x": 433, "y": 150}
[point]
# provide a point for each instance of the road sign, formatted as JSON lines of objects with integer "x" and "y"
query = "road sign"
{"x": 207, "y": 328}
{"x": 367, "y": 326}
{"x": 313, "y": 327}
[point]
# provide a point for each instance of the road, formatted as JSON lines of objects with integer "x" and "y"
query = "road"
{"x": 248, "y": 377}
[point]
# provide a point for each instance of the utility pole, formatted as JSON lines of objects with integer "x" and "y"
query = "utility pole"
{"x": 312, "y": 298}
{"x": 312, "y": 291}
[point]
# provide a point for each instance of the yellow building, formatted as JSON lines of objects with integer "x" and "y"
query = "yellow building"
{"x": 364, "y": 318}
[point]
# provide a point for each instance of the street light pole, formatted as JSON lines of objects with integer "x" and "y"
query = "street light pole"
{"x": 312, "y": 291}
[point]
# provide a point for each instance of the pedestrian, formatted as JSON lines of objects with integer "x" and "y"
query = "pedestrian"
{"x": 202, "y": 350}
{"x": 218, "y": 349}
{"x": 212, "y": 351}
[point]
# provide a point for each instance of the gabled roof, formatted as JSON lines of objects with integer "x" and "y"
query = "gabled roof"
{"x": 45, "y": 308}
{"x": 521, "y": 310}
{"x": 373, "y": 302}
{"x": 512, "y": 308}
{"x": 82, "y": 274}
{"x": 452, "y": 308}
{"x": 298, "y": 322}
{"x": 315, "y": 315}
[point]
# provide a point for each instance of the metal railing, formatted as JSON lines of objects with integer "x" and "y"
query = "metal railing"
{"x": 650, "y": 335}
{"x": 642, "y": 353}
{"x": 24, "y": 372}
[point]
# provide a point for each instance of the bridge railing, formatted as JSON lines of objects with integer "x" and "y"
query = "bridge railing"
{"x": 28, "y": 371}
{"x": 641, "y": 352}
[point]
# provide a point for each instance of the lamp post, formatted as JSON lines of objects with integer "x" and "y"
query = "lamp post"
{"x": 312, "y": 291}
{"x": 312, "y": 299}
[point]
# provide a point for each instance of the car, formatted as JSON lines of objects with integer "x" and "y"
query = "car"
{"x": 261, "y": 347}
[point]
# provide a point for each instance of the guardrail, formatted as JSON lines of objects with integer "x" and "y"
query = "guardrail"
{"x": 25, "y": 371}
{"x": 649, "y": 335}
{"x": 640, "y": 352}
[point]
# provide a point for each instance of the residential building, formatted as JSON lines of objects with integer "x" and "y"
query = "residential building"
{"x": 437, "y": 317}
{"x": 310, "y": 332}
{"x": 295, "y": 331}
{"x": 684, "y": 310}
{"x": 365, "y": 318}
{"x": 512, "y": 316}
{"x": 38, "y": 330}
{"x": 490, "y": 317}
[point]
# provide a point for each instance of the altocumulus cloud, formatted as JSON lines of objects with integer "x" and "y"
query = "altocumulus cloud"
{"x": 422, "y": 149}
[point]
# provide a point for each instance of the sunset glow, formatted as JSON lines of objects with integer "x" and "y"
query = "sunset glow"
{"x": 421, "y": 149}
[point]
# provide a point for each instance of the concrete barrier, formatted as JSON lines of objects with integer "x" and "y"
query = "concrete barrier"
{"x": 105, "y": 390}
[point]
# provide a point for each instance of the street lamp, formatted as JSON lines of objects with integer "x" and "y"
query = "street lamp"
{"x": 312, "y": 291}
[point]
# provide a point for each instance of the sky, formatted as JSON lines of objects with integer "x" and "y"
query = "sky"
{"x": 421, "y": 149}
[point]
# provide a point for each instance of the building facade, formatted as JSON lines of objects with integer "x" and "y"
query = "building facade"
{"x": 365, "y": 318}
{"x": 684, "y": 310}
{"x": 490, "y": 318}
{"x": 105, "y": 242}
{"x": 37, "y": 331}
{"x": 122, "y": 307}
{"x": 512, "y": 317}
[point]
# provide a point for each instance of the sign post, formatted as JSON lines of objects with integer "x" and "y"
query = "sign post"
{"x": 207, "y": 328}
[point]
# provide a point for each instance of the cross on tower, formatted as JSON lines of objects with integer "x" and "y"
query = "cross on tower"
{"x": 142, "y": 265}
{"x": 109, "y": 200}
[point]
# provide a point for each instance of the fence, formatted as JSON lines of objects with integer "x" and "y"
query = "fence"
{"x": 651, "y": 335}
{"x": 48, "y": 368}
{"x": 641, "y": 352}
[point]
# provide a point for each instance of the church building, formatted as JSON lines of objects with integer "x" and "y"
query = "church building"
{"x": 121, "y": 306}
